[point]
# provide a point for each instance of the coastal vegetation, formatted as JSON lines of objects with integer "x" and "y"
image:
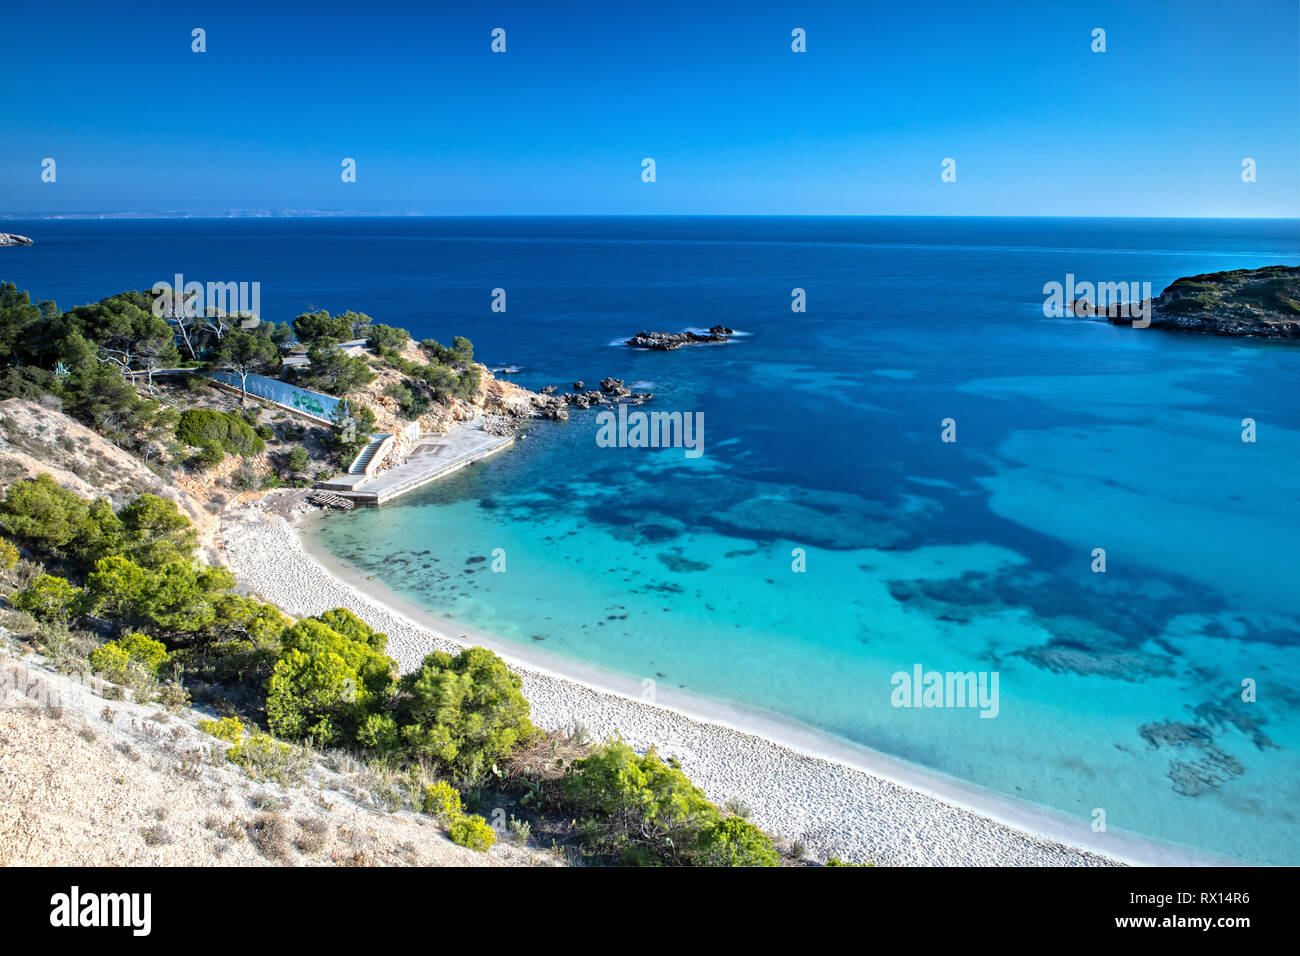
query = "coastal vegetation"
{"x": 232, "y": 434}
{"x": 119, "y": 592}
{"x": 98, "y": 363}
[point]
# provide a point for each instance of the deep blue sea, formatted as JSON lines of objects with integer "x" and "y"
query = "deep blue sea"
{"x": 827, "y": 537}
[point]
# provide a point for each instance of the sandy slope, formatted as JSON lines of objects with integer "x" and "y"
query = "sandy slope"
{"x": 88, "y": 781}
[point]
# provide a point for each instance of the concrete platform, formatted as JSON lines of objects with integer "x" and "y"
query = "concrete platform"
{"x": 432, "y": 457}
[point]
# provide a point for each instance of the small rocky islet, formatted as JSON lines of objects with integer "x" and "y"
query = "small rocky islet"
{"x": 667, "y": 341}
{"x": 613, "y": 390}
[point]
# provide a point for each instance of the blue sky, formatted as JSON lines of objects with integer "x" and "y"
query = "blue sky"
{"x": 737, "y": 123}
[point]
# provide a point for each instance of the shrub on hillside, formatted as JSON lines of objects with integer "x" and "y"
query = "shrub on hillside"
{"x": 473, "y": 832}
{"x": 182, "y": 600}
{"x": 201, "y": 426}
{"x": 637, "y": 808}
{"x": 265, "y": 758}
{"x": 229, "y": 729}
{"x": 735, "y": 842}
{"x": 297, "y": 458}
{"x": 387, "y": 337}
{"x": 48, "y": 598}
{"x": 350, "y": 626}
{"x": 153, "y": 532}
{"x": 115, "y": 658}
{"x": 26, "y": 381}
{"x": 209, "y": 455}
{"x": 442, "y": 801}
{"x": 324, "y": 683}
{"x": 379, "y": 733}
{"x": 58, "y": 523}
{"x": 464, "y": 711}
{"x": 411, "y": 403}
{"x": 334, "y": 371}
{"x": 45, "y": 515}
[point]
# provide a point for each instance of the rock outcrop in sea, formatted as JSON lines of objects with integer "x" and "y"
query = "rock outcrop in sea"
{"x": 667, "y": 341}
{"x": 12, "y": 239}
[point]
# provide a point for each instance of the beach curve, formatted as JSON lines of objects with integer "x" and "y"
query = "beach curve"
{"x": 835, "y": 798}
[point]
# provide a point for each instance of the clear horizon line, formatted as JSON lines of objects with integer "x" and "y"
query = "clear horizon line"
{"x": 144, "y": 215}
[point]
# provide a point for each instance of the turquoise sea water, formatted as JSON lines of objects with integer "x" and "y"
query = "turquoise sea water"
{"x": 1119, "y": 691}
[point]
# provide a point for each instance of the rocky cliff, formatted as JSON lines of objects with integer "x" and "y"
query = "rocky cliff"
{"x": 500, "y": 404}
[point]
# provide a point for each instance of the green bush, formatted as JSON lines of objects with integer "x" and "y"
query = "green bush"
{"x": 410, "y": 403}
{"x": 210, "y": 453}
{"x": 52, "y": 520}
{"x": 442, "y": 800}
{"x": 637, "y": 808}
{"x": 297, "y": 458}
{"x": 245, "y": 477}
{"x": 153, "y": 532}
{"x": 144, "y": 650}
{"x": 8, "y": 555}
{"x": 473, "y": 832}
{"x": 387, "y": 337}
{"x": 229, "y": 729}
{"x": 735, "y": 842}
{"x": 45, "y": 515}
{"x": 464, "y": 711}
{"x": 182, "y": 599}
{"x": 325, "y": 684}
{"x": 320, "y": 327}
{"x": 334, "y": 371}
{"x": 201, "y": 426}
{"x": 26, "y": 382}
{"x": 115, "y": 658}
{"x": 48, "y": 598}
{"x": 343, "y": 621}
{"x": 379, "y": 733}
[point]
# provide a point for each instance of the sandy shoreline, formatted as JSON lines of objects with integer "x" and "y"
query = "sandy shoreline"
{"x": 835, "y": 798}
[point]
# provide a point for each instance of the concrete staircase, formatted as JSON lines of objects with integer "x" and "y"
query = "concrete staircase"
{"x": 367, "y": 455}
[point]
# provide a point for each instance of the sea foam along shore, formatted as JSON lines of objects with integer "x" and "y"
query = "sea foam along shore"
{"x": 827, "y": 800}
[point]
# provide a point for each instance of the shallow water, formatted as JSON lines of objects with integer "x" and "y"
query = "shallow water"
{"x": 1118, "y": 691}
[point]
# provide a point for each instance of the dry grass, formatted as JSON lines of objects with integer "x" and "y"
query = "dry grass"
{"x": 156, "y": 836}
{"x": 270, "y": 833}
{"x": 313, "y": 834}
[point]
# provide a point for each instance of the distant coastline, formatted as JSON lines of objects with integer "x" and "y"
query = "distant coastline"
{"x": 141, "y": 214}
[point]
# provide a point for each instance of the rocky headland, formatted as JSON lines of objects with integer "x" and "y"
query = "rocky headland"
{"x": 1262, "y": 303}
